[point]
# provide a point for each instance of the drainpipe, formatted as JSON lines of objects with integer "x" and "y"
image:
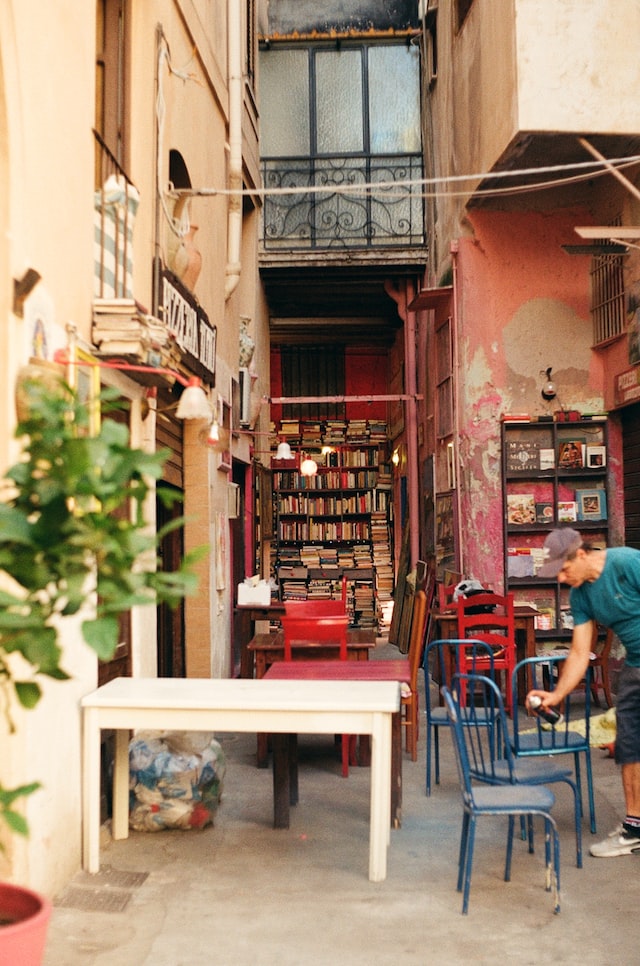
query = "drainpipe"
{"x": 456, "y": 402}
{"x": 234, "y": 217}
{"x": 402, "y": 297}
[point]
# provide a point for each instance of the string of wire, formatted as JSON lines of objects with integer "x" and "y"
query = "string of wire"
{"x": 586, "y": 171}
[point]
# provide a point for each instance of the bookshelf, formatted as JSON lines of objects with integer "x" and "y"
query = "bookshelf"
{"x": 338, "y": 523}
{"x": 554, "y": 474}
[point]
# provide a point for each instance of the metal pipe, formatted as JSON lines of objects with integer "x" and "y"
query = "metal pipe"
{"x": 412, "y": 425}
{"x": 234, "y": 217}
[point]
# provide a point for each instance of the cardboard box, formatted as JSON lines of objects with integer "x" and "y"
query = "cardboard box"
{"x": 257, "y": 594}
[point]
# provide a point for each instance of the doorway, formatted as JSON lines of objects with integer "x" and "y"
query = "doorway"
{"x": 170, "y": 638}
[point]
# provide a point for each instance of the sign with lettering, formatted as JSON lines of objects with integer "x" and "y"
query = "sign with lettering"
{"x": 627, "y": 387}
{"x": 188, "y": 323}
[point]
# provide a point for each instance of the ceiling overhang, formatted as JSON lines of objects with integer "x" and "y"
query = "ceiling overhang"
{"x": 540, "y": 149}
{"x": 337, "y": 298}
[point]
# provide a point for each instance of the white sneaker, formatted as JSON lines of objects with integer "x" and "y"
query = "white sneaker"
{"x": 618, "y": 842}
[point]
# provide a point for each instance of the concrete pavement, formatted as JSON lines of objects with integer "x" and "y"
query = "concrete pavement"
{"x": 243, "y": 894}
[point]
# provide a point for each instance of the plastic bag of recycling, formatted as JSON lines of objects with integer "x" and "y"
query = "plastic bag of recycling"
{"x": 175, "y": 780}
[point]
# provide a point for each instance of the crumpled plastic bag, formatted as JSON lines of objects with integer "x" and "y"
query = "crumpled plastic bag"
{"x": 175, "y": 780}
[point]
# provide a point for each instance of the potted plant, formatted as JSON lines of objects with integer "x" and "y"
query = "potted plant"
{"x": 62, "y": 544}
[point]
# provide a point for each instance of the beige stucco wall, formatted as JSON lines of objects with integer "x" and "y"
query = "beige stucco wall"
{"x": 576, "y": 66}
{"x": 46, "y": 222}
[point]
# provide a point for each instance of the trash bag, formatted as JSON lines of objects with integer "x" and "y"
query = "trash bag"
{"x": 175, "y": 780}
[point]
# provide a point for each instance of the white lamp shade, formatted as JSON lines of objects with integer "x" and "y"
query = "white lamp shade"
{"x": 309, "y": 467}
{"x": 193, "y": 404}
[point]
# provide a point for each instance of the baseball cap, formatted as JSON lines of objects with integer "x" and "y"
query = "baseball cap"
{"x": 559, "y": 545}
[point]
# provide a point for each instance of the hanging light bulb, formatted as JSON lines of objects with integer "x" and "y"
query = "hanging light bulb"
{"x": 549, "y": 388}
{"x": 214, "y": 432}
{"x": 308, "y": 467}
{"x": 283, "y": 452}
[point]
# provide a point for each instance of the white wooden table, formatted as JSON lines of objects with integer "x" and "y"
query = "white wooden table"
{"x": 238, "y": 704}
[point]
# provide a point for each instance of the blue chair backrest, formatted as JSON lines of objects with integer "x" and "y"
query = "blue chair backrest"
{"x": 462, "y": 761}
{"x": 444, "y": 658}
{"x": 541, "y": 673}
{"x": 484, "y": 725}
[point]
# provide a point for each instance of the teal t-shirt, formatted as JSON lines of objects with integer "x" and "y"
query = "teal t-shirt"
{"x": 613, "y": 599}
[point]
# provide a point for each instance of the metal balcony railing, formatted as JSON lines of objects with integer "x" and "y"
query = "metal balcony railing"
{"x": 360, "y": 202}
{"x": 115, "y": 203}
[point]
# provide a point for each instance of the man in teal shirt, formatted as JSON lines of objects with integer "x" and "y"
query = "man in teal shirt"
{"x": 605, "y": 589}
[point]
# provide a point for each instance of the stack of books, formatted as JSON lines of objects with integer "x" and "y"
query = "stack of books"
{"x": 334, "y": 432}
{"x": 377, "y": 431}
{"x": 121, "y": 328}
{"x": 357, "y": 431}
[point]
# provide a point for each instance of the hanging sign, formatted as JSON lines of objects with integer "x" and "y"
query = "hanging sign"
{"x": 627, "y": 387}
{"x": 189, "y": 325}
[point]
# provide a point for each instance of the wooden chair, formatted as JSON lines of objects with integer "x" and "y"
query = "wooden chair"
{"x": 315, "y": 629}
{"x": 445, "y": 596}
{"x": 319, "y": 630}
{"x": 490, "y": 618}
{"x": 410, "y": 700}
{"x": 301, "y": 609}
{"x": 599, "y": 664}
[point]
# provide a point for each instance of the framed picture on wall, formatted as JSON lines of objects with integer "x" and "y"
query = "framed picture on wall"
{"x": 592, "y": 504}
{"x": 596, "y": 456}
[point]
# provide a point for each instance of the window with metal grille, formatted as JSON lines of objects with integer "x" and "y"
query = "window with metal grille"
{"x": 313, "y": 371}
{"x": 444, "y": 380}
{"x": 607, "y": 297}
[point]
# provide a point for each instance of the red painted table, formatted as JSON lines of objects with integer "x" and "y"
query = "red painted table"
{"x": 393, "y": 670}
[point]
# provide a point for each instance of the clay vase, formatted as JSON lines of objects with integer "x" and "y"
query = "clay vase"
{"x": 188, "y": 260}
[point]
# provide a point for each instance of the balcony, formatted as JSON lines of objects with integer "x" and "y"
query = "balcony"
{"x": 328, "y": 204}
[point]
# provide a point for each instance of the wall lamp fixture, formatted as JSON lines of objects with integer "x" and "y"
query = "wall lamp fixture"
{"x": 22, "y": 288}
{"x": 193, "y": 404}
{"x": 549, "y": 390}
{"x": 283, "y": 452}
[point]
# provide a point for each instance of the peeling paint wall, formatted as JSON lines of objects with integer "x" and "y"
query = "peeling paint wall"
{"x": 523, "y": 307}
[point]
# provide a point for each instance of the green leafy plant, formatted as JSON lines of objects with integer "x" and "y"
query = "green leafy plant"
{"x": 72, "y": 527}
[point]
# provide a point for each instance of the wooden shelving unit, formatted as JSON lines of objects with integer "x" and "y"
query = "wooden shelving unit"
{"x": 554, "y": 474}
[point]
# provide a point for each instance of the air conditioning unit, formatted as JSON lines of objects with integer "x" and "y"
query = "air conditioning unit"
{"x": 245, "y": 397}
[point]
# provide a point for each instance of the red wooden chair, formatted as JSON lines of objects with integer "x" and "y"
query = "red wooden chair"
{"x": 490, "y": 618}
{"x": 445, "y": 597}
{"x": 302, "y": 609}
{"x": 320, "y": 631}
{"x": 599, "y": 663}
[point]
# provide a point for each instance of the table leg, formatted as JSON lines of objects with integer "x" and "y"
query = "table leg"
{"x": 90, "y": 791}
{"x": 121, "y": 785}
{"x": 262, "y": 750}
{"x": 379, "y": 836}
{"x": 396, "y": 770}
{"x": 281, "y": 780}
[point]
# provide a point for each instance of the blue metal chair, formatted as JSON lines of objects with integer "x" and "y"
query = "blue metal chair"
{"x": 490, "y": 761}
{"x": 542, "y": 740}
{"x": 509, "y": 798}
{"x": 442, "y": 659}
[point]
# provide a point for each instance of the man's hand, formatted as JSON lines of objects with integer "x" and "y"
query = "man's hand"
{"x": 549, "y": 698}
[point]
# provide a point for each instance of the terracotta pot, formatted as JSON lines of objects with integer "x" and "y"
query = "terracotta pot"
{"x": 25, "y": 918}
